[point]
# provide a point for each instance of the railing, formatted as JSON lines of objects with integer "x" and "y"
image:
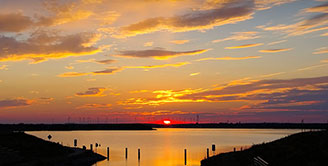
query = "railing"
{"x": 258, "y": 161}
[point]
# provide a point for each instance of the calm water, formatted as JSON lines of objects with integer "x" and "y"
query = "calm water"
{"x": 164, "y": 147}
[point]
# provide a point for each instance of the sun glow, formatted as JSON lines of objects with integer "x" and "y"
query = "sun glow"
{"x": 167, "y": 122}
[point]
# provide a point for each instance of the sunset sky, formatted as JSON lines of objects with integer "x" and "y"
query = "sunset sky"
{"x": 146, "y": 60}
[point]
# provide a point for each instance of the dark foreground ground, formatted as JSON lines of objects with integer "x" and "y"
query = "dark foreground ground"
{"x": 301, "y": 149}
{"x": 20, "y": 149}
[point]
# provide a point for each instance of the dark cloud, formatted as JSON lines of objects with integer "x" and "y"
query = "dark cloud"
{"x": 158, "y": 53}
{"x": 107, "y": 61}
{"x": 12, "y": 103}
{"x": 107, "y": 71}
{"x": 42, "y": 46}
{"x": 92, "y": 92}
{"x": 14, "y": 22}
{"x": 227, "y": 13}
{"x": 298, "y": 94}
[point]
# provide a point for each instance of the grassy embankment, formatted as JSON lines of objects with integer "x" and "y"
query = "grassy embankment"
{"x": 20, "y": 149}
{"x": 301, "y": 149}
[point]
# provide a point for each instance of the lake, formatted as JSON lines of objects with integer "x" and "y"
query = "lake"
{"x": 164, "y": 146}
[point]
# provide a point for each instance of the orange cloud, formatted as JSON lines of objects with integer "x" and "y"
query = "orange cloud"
{"x": 313, "y": 24}
{"x": 92, "y": 92}
{"x": 275, "y": 50}
{"x": 230, "y": 58}
{"x": 313, "y": 67}
{"x": 95, "y": 106}
{"x": 323, "y": 50}
{"x": 228, "y": 13}
{"x": 180, "y": 41}
{"x": 265, "y": 94}
{"x": 41, "y": 47}
{"x": 244, "y": 46}
{"x": 276, "y": 42}
{"x": 72, "y": 74}
{"x": 101, "y": 72}
{"x": 158, "y": 53}
{"x": 158, "y": 66}
{"x": 164, "y": 96}
{"x": 317, "y": 9}
{"x": 139, "y": 91}
{"x": 4, "y": 67}
{"x": 163, "y": 112}
{"x": 194, "y": 74}
{"x": 148, "y": 44}
{"x": 238, "y": 36}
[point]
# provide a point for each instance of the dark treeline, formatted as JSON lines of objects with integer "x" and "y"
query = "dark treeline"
{"x": 71, "y": 127}
{"x": 248, "y": 125}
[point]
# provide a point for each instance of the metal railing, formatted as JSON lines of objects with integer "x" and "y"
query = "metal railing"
{"x": 258, "y": 161}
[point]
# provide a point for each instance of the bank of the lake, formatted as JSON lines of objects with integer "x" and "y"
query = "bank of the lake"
{"x": 301, "y": 149}
{"x": 20, "y": 149}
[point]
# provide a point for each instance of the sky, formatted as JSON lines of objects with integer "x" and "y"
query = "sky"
{"x": 141, "y": 61}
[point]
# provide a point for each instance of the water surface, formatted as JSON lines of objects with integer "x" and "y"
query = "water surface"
{"x": 165, "y": 146}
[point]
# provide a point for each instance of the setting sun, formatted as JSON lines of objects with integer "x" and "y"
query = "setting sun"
{"x": 167, "y": 122}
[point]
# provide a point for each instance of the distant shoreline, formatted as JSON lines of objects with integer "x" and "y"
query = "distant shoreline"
{"x": 145, "y": 126}
{"x": 72, "y": 127}
{"x": 247, "y": 125}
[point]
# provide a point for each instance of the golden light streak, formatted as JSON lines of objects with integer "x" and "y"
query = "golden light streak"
{"x": 244, "y": 46}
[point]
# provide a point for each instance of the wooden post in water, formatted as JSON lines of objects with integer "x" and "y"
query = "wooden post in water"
{"x": 126, "y": 153}
{"x": 107, "y": 153}
{"x": 91, "y": 147}
{"x": 208, "y": 153}
{"x": 139, "y": 154}
{"x": 185, "y": 157}
{"x": 75, "y": 142}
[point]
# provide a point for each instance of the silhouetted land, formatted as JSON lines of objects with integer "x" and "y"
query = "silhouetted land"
{"x": 20, "y": 149}
{"x": 248, "y": 125}
{"x": 301, "y": 149}
{"x": 71, "y": 127}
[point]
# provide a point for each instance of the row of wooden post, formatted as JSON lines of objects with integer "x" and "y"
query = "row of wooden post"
{"x": 126, "y": 151}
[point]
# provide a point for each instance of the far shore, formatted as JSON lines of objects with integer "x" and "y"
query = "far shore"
{"x": 148, "y": 126}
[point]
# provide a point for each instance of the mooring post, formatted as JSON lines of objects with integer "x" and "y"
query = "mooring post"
{"x": 75, "y": 142}
{"x": 207, "y": 153}
{"x": 91, "y": 147}
{"x": 139, "y": 154}
{"x": 126, "y": 153}
{"x": 107, "y": 153}
{"x": 185, "y": 156}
